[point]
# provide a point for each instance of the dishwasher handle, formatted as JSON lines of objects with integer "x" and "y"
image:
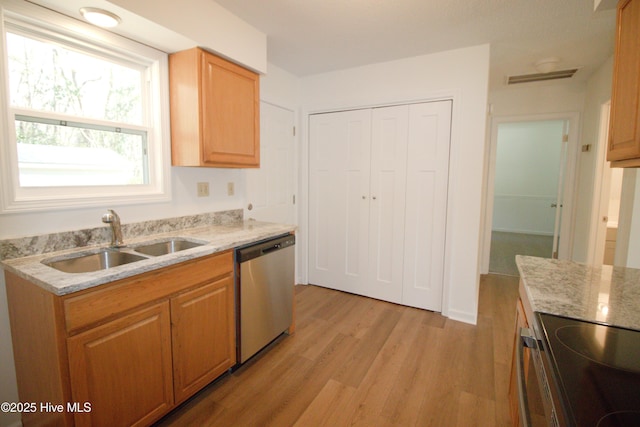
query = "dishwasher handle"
{"x": 275, "y": 247}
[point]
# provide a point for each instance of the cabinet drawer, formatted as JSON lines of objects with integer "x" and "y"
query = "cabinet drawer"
{"x": 96, "y": 305}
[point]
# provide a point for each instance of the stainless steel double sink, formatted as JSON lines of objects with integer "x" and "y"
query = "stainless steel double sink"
{"x": 103, "y": 258}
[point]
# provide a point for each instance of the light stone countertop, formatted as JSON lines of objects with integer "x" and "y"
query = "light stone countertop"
{"x": 602, "y": 294}
{"x": 216, "y": 238}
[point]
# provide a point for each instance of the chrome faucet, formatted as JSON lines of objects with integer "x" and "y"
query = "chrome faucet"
{"x": 112, "y": 218}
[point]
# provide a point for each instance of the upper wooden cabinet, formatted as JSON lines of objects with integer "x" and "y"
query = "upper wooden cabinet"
{"x": 624, "y": 128}
{"x": 215, "y": 111}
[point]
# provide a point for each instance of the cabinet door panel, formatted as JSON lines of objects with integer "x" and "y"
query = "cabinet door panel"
{"x": 203, "y": 334}
{"x": 230, "y": 113}
{"x": 123, "y": 369}
{"x": 624, "y": 132}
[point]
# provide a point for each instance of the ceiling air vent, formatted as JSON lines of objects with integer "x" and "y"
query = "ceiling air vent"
{"x": 541, "y": 77}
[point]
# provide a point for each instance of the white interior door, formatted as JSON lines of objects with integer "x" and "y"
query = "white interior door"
{"x": 270, "y": 188}
{"x": 559, "y": 204}
{"x": 387, "y": 202}
{"x": 338, "y": 199}
{"x": 426, "y": 205}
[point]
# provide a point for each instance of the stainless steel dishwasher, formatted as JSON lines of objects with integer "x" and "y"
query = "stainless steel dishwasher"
{"x": 265, "y": 288}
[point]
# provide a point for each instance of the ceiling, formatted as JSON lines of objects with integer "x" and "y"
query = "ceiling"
{"x": 306, "y": 37}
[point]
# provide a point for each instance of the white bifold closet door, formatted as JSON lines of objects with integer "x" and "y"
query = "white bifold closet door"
{"x": 377, "y": 201}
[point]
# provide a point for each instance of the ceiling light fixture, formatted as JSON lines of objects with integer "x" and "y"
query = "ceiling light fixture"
{"x": 100, "y": 17}
{"x": 547, "y": 65}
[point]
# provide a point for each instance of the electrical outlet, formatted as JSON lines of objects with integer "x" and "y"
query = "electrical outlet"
{"x": 203, "y": 189}
{"x": 230, "y": 189}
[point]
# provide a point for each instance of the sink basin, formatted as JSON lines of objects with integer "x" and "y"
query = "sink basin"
{"x": 94, "y": 261}
{"x": 167, "y": 247}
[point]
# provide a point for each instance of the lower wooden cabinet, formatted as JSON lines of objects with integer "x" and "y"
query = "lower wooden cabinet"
{"x": 203, "y": 353}
{"x": 514, "y": 404}
{"x": 123, "y": 369}
{"x": 125, "y": 353}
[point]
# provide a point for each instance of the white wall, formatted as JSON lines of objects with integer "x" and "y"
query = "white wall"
{"x": 205, "y": 23}
{"x": 537, "y": 98}
{"x": 461, "y": 75}
{"x": 598, "y": 92}
{"x": 280, "y": 88}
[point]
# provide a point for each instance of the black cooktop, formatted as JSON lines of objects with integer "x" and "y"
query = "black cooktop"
{"x": 597, "y": 369}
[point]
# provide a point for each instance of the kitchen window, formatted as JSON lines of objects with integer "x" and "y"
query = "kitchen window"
{"x": 81, "y": 115}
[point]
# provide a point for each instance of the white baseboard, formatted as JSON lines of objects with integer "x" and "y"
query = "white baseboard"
{"x": 464, "y": 317}
{"x": 533, "y": 232}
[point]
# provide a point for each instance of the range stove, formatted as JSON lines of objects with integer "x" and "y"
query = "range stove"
{"x": 596, "y": 370}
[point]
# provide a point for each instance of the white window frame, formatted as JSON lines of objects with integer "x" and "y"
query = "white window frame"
{"x": 14, "y": 198}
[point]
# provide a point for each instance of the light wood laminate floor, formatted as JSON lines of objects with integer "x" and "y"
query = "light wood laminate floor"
{"x": 362, "y": 362}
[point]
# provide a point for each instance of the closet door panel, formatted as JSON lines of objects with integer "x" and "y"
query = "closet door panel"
{"x": 322, "y": 261}
{"x": 356, "y": 200}
{"x": 388, "y": 175}
{"x": 338, "y": 215}
{"x": 426, "y": 204}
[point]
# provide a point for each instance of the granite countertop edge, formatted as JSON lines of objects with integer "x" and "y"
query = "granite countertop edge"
{"x": 601, "y": 294}
{"x": 215, "y": 238}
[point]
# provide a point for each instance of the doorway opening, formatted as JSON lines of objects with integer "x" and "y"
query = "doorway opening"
{"x": 531, "y": 195}
{"x": 606, "y": 202}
